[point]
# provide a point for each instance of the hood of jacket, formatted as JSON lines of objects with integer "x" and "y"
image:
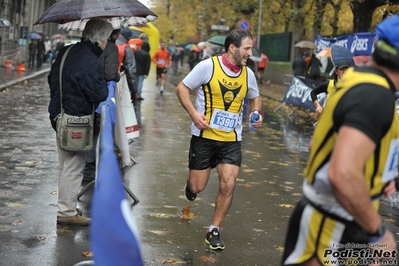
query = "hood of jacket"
{"x": 121, "y": 40}
{"x": 145, "y": 46}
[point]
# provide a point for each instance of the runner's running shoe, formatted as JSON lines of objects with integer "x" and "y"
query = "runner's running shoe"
{"x": 189, "y": 195}
{"x": 213, "y": 239}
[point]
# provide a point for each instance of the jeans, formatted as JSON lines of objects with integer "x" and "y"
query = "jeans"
{"x": 140, "y": 81}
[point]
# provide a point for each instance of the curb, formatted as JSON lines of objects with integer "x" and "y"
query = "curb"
{"x": 17, "y": 80}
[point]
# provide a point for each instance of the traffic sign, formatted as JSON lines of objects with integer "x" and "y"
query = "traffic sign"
{"x": 244, "y": 24}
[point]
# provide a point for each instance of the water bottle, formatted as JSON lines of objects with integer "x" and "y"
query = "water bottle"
{"x": 253, "y": 118}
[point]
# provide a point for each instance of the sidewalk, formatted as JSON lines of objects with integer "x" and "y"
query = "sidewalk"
{"x": 11, "y": 76}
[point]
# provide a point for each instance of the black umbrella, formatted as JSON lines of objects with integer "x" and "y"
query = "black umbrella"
{"x": 70, "y": 10}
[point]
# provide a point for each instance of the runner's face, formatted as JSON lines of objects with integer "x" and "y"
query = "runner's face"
{"x": 162, "y": 45}
{"x": 242, "y": 53}
{"x": 341, "y": 71}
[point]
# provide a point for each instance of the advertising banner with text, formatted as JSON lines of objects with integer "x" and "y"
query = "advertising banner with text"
{"x": 358, "y": 43}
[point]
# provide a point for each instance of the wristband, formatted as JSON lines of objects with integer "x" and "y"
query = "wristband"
{"x": 375, "y": 239}
{"x": 379, "y": 234}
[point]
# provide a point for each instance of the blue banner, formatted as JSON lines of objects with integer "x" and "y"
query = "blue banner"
{"x": 298, "y": 93}
{"x": 358, "y": 43}
{"x": 113, "y": 235}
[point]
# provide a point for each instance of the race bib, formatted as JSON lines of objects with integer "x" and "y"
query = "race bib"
{"x": 391, "y": 165}
{"x": 161, "y": 62}
{"x": 224, "y": 120}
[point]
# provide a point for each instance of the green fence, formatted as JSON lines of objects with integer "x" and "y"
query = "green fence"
{"x": 277, "y": 46}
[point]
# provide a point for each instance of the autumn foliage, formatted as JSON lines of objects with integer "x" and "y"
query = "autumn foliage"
{"x": 184, "y": 21}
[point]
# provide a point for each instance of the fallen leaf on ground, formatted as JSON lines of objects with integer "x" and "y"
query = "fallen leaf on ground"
{"x": 64, "y": 229}
{"x": 254, "y": 183}
{"x": 174, "y": 261}
{"x": 87, "y": 254}
{"x": 15, "y": 204}
{"x": 245, "y": 185}
{"x": 280, "y": 248}
{"x": 17, "y": 222}
{"x": 54, "y": 193}
{"x": 186, "y": 214}
{"x": 161, "y": 215}
{"x": 248, "y": 170}
{"x": 390, "y": 219}
{"x": 286, "y": 205}
{"x": 210, "y": 259}
{"x": 161, "y": 233}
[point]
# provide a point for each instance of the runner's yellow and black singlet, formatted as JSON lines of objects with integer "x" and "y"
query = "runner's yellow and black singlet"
{"x": 330, "y": 87}
{"x": 381, "y": 167}
{"x": 224, "y": 96}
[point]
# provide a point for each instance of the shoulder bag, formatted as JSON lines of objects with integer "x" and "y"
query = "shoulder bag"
{"x": 74, "y": 133}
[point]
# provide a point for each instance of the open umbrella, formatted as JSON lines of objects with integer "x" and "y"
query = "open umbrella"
{"x": 326, "y": 52}
{"x": 4, "y": 23}
{"x": 218, "y": 39}
{"x": 117, "y": 22}
{"x": 191, "y": 46}
{"x": 306, "y": 44}
{"x": 34, "y": 36}
{"x": 65, "y": 11}
{"x": 58, "y": 37}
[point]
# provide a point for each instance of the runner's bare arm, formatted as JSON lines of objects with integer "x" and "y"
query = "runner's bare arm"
{"x": 183, "y": 93}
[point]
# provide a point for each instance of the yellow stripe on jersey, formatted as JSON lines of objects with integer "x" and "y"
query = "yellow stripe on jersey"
{"x": 317, "y": 233}
{"x": 226, "y": 93}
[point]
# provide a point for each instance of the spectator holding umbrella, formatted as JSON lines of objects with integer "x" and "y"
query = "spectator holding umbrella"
{"x": 32, "y": 53}
{"x": 40, "y": 52}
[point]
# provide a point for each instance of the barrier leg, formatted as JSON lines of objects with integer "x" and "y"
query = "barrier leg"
{"x": 131, "y": 194}
{"x": 83, "y": 191}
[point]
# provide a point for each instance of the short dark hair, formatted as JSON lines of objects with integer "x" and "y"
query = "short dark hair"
{"x": 385, "y": 59}
{"x": 235, "y": 37}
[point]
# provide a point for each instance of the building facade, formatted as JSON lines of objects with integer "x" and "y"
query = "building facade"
{"x": 16, "y": 21}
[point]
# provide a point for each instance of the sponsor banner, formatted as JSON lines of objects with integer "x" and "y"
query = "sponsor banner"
{"x": 298, "y": 93}
{"x": 358, "y": 43}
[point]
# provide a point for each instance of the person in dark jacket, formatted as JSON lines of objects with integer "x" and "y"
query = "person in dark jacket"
{"x": 299, "y": 66}
{"x": 40, "y": 52}
{"x": 314, "y": 68}
{"x": 109, "y": 59}
{"x": 83, "y": 85}
{"x": 32, "y": 53}
{"x": 143, "y": 61}
{"x": 127, "y": 62}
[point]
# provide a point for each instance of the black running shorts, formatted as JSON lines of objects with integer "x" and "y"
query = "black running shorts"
{"x": 205, "y": 153}
{"x": 162, "y": 70}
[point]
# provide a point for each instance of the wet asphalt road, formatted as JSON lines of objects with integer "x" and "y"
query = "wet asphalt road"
{"x": 268, "y": 186}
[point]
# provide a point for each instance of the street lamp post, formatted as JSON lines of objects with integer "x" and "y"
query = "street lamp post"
{"x": 259, "y": 23}
{"x": 202, "y": 26}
